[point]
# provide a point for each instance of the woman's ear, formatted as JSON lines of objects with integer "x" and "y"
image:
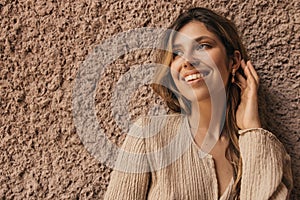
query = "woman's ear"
{"x": 235, "y": 61}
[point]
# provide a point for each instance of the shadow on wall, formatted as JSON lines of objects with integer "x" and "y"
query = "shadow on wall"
{"x": 276, "y": 117}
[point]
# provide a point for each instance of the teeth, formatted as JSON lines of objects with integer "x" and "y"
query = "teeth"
{"x": 194, "y": 76}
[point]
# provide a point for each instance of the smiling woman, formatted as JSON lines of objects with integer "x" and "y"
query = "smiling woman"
{"x": 198, "y": 57}
{"x": 229, "y": 155}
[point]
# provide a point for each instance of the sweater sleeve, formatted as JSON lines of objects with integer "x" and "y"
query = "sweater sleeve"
{"x": 266, "y": 171}
{"x": 130, "y": 178}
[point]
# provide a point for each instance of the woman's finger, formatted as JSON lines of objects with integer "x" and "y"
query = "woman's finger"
{"x": 247, "y": 72}
{"x": 241, "y": 79}
{"x": 244, "y": 67}
{"x": 253, "y": 71}
{"x": 243, "y": 64}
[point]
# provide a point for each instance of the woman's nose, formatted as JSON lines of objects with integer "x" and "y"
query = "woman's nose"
{"x": 190, "y": 63}
{"x": 186, "y": 64}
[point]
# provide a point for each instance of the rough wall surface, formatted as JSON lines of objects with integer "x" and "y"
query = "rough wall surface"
{"x": 42, "y": 45}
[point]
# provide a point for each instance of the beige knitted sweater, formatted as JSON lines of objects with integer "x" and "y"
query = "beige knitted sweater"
{"x": 164, "y": 163}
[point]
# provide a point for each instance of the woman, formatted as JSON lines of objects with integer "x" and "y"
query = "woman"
{"x": 244, "y": 162}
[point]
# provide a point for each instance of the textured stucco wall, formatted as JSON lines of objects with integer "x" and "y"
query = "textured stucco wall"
{"x": 42, "y": 45}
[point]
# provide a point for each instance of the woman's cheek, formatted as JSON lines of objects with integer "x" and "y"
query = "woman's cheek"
{"x": 175, "y": 69}
{"x": 175, "y": 65}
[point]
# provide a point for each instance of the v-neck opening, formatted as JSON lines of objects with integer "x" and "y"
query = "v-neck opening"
{"x": 210, "y": 157}
{"x": 227, "y": 190}
{"x": 190, "y": 135}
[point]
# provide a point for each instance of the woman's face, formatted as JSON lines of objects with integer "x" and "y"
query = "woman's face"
{"x": 200, "y": 64}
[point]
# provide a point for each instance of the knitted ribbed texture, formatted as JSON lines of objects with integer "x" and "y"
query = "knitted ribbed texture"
{"x": 266, "y": 165}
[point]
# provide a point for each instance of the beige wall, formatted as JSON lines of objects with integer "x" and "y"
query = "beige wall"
{"x": 41, "y": 48}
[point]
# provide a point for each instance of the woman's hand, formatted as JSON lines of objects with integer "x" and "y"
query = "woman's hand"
{"x": 247, "y": 113}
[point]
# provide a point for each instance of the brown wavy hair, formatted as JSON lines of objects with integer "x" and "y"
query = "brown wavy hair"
{"x": 164, "y": 85}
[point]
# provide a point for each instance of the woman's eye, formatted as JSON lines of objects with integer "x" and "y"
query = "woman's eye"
{"x": 177, "y": 53}
{"x": 202, "y": 47}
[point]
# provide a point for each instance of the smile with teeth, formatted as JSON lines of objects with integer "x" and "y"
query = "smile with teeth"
{"x": 195, "y": 76}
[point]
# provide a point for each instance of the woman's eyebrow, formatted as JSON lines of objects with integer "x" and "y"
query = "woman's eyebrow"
{"x": 198, "y": 39}
{"x": 176, "y": 46}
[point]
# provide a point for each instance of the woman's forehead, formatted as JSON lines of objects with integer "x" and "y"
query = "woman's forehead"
{"x": 191, "y": 32}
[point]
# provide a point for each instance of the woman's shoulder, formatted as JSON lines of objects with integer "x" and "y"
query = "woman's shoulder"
{"x": 161, "y": 117}
{"x": 161, "y": 128}
{"x": 156, "y": 121}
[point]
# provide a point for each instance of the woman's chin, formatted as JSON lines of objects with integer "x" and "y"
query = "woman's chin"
{"x": 197, "y": 95}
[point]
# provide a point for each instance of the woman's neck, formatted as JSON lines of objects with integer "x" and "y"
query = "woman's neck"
{"x": 200, "y": 116}
{"x": 206, "y": 121}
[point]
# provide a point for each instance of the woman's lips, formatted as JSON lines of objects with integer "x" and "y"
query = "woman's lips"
{"x": 196, "y": 77}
